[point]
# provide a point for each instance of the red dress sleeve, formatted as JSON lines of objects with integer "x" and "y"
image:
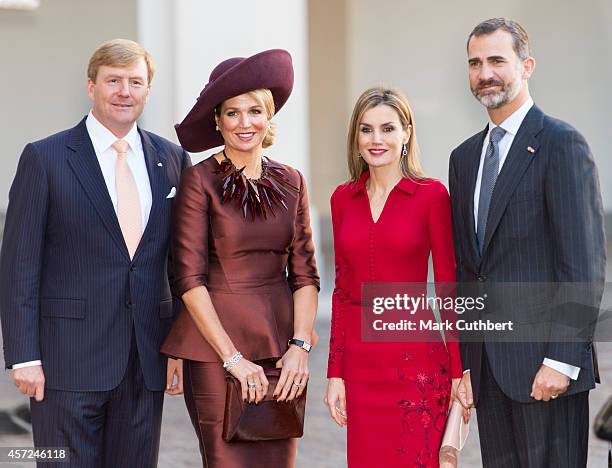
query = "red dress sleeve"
{"x": 443, "y": 257}
{"x": 335, "y": 364}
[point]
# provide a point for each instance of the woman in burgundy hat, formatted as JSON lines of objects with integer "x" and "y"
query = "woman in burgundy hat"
{"x": 243, "y": 258}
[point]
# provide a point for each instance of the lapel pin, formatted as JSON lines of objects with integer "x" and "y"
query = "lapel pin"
{"x": 160, "y": 164}
{"x": 530, "y": 149}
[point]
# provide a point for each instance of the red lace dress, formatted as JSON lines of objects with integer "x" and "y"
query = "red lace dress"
{"x": 397, "y": 393}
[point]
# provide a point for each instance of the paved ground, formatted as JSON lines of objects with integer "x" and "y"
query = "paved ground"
{"x": 323, "y": 443}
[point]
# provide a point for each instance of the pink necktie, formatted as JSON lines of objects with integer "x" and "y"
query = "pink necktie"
{"x": 128, "y": 201}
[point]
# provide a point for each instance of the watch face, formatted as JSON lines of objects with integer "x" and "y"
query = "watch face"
{"x": 301, "y": 343}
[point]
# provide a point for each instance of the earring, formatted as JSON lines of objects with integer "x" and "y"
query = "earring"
{"x": 359, "y": 155}
{"x": 216, "y": 127}
{"x": 404, "y": 150}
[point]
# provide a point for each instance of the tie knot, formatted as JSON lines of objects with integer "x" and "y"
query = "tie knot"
{"x": 121, "y": 146}
{"x": 497, "y": 134}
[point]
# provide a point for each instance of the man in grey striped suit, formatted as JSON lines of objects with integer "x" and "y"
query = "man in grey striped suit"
{"x": 84, "y": 291}
{"x": 526, "y": 208}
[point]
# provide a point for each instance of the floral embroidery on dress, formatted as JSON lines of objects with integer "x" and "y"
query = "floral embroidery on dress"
{"x": 428, "y": 412}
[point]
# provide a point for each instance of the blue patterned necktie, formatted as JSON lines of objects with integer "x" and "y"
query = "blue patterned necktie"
{"x": 490, "y": 170}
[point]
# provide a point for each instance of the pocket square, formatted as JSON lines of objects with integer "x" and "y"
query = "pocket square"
{"x": 172, "y": 193}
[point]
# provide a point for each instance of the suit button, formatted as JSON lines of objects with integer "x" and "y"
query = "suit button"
{"x": 482, "y": 278}
{"x": 129, "y": 304}
{"x": 133, "y": 267}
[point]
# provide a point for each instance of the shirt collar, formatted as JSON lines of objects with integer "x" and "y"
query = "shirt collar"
{"x": 102, "y": 138}
{"x": 406, "y": 185}
{"x": 514, "y": 121}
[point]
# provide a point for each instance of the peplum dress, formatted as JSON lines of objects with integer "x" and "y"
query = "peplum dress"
{"x": 251, "y": 265}
{"x": 397, "y": 392}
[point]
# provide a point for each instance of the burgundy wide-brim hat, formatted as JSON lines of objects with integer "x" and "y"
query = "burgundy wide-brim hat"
{"x": 272, "y": 69}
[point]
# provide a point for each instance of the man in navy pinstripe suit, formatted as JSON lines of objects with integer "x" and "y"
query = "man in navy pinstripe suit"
{"x": 526, "y": 208}
{"x": 84, "y": 295}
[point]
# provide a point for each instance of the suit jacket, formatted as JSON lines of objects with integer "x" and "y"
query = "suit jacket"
{"x": 545, "y": 224}
{"x": 69, "y": 293}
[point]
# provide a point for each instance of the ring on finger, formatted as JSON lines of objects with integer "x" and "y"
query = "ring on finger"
{"x": 554, "y": 396}
{"x": 251, "y": 385}
{"x": 297, "y": 384}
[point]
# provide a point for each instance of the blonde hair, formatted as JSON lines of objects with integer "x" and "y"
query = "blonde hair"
{"x": 266, "y": 99}
{"x": 410, "y": 164}
{"x": 119, "y": 53}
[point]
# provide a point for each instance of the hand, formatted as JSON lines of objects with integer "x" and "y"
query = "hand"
{"x": 30, "y": 381}
{"x": 548, "y": 384}
{"x": 448, "y": 457}
{"x": 175, "y": 367}
{"x": 335, "y": 399}
{"x": 465, "y": 396}
{"x": 253, "y": 380}
{"x": 294, "y": 375}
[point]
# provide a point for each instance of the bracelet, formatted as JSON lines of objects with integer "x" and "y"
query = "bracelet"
{"x": 231, "y": 362}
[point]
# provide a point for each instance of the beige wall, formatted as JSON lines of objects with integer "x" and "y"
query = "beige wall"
{"x": 43, "y": 73}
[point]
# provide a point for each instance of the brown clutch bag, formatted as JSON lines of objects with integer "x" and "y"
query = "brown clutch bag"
{"x": 269, "y": 420}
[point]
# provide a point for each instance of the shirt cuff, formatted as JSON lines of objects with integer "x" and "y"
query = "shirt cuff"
{"x": 21, "y": 365}
{"x": 566, "y": 369}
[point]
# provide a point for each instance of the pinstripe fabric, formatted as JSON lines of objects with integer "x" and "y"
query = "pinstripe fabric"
{"x": 545, "y": 224}
{"x": 69, "y": 293}
{"x": 114, "y": 429}
{"x": 550, "y": 434}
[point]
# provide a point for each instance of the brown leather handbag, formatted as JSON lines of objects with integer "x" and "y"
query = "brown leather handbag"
{"x": 268, "y": 420}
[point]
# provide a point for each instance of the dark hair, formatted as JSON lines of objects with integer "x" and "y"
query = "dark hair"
{"x": 520, "y": 39}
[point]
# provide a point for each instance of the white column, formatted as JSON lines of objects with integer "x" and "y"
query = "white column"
{"x": 156, "y": 34}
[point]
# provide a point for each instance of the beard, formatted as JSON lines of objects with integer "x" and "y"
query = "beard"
{"x": 496, "y": 99}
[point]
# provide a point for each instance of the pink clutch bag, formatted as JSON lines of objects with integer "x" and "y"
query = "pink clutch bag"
{"x": 456, "y": 431}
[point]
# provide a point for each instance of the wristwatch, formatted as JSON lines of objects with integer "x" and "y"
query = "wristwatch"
{"x": 300, "y": 344}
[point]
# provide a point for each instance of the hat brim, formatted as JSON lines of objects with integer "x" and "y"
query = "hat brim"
{"x": 272, "y": 69}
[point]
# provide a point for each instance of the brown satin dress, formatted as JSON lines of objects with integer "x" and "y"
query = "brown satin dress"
{"x": 250, "y": 268}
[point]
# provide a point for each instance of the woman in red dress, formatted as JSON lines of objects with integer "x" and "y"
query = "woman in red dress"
{"x": 393, "y": 397}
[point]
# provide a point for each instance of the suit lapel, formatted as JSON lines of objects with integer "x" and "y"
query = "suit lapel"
{"x": 85, "y": 165}
{"x": 156, "y": 168}
{"x": 517, "y": 161}
{"x": 474, "y": 153}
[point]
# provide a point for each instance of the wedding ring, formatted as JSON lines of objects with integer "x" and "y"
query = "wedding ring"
{"x": 554, "y": 396}
{"x": 297, "y": 384}
{"x": 251, "y": 385}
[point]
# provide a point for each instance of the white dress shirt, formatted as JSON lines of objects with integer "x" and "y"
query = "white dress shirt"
{"x": 102, "y": 139}
{"x": 511, "y": 125}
